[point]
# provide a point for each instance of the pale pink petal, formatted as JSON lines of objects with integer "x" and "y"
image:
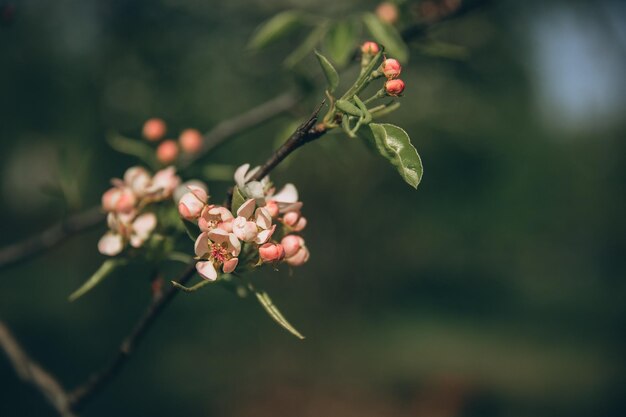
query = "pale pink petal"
{"x": 199, "y": 192}
{"x": 288, "y": 194}
{"x": 240, "y": 175}
{"x": 263, "y": 218}
{"x": 300, "y": 225}
{"x": 292, "y": 244}
{"x": 235, "y": 244}
{"x": 145, "y": 224}
{"x": 136, "y": 241}
{"x": 299, "y": 258}
{"x": 110, "y": 244}
{"x": 201, "y": 246}
{"x": 288, "y": 207}
{"x": 206, "y": 270}
{"x": 246, "y": 209}
{"x": 264, "y": 235}
{"x": 218, "y": 235}
{"x": 230, "y": 265}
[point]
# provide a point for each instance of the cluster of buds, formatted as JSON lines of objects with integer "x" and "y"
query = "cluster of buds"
{"x": 189, "y": 141}
{"x": 262, "y": 227}
{"x": 390, "y": 69}
{"x": 126, "y": 204}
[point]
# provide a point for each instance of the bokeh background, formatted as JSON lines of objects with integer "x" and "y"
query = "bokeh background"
{"x": 495, "y": 289}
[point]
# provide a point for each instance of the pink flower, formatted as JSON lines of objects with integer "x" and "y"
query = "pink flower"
{"x": 138, "y": 180}
{"x": 271, "y": 252}
{"x": 191, "y": 204}
{"x": 119, "y": 199}
{"x": 163, "y": 184}
{"x": 391, "y": 68}
{"x": 126, "y": 228}
{"x": 394, "y": 87}
{"x": 167, "y": 151}
{"x": 286, "y": 199}
{"x": 296, "y": 253}
{"x": 213, "y": 217}
{"x": 369, "y": 48}
{"x": 216, "y": 249}
{"x": 253, "y": 225}
{"x": 154, "y": 129}
{"x": 190, "y": 140}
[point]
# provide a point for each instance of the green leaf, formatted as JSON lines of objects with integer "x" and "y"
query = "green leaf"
{"x": 275, "y": 28}
{"x": 349, "y": 108}
{"x": 367, "y": 117}
{"x": 104, "y": 271}
{"x": 384, "y": 109}
{"x": 192, "y": 229}
{"x": 133, "y": 147}
{"x": 387, "y": 35}
{"x": 330, "y": 72}
{"x": 394, "y": 144}
{"x": 365, "y": 77}
{"x": 307, "y": 46}
{"x": 275, "y": 314}
{"x": 238, "y": 200}
{"x": 340, "y": 43}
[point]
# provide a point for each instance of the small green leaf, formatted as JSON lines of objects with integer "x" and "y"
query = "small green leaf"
{"x": 367, "y": 117}
{"x": 133, "y": 147}
{"x": 395, "y": 145}
{"x": 275, "y": 28}
{"x": 387, "y": 35}
{"x": 104, "y": 271}
{"x": 238, "y": 200}
{"x": 340, "y": 43}
{"x": 275, "y": 314}
{"x": 308, "y": 45}
{"x": 349, "y": 108}
{"x": 329, "y": 71}
{"x": 384, "y": 109}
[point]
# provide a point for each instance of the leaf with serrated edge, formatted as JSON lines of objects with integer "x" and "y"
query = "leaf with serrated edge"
{"x": 275, "y": 314}
{"x": 275, "y": 28}
{"x": 104, "y": 271}
{"x": 332, "y": 77}
{"x": 387, "y": 35}
{"x": 395, "y": 145}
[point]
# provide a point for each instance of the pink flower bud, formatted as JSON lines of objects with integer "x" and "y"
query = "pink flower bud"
{"x": 119, "y": 200}
{"x": 167, "y": 151}
{"x": 272, "y": 252}
{"x": 190, "y": 205}
{"x": 300, "y": 225}
{"x": 291, "y": 218}
{"x": 272, "y": 208}
{"x": 301, "y": 257}
{"x": 394, "y": 87}
{"x": 291, "y": 244}
{"x": 369, "y": 48}
{"x": 190, "y": 140}
{"x": 387, "y": 12}
{"x": 154, "y": 129}
{"x": 244, "y": 230}
{"x": 391, "y": 68}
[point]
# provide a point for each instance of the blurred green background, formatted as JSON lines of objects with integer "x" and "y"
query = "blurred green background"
{"x": 495, "y": 289}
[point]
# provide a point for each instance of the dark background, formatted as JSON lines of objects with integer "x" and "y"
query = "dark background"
{"x": 495, "y": 289}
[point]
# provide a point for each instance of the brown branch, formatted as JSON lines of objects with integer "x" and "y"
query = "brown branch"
{"x": 30, "y": 372}
{"x": 52, "y": 236}
{"x": 94, "y": 383}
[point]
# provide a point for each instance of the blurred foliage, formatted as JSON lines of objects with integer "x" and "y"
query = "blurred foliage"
{"x": 495, "y": 289}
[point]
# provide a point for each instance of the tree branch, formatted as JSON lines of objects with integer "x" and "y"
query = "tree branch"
{"x": 30, "y": 372}
{"x": 94, "y": 383}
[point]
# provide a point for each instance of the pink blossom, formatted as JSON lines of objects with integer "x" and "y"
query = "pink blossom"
{"x": 167, "y": 151}
{"x": 253, "y": 225}
{"x": 296, "y": 253}
{"x": 214, "y": 216}
{"x": 394, "y": 87}
{"x": 163, "y": 184}
{"x": 369, "y": 48}
{"x": 119, "y": 199}
{"x": 126, "y": 228}
{"x": 192, "y": 203}
{"x": 391, "y": 68}
{"x": 387, "y": 12}
{"x": 190, "y": 140}
{"x": 295, "y": 221}
{"x": 154, "y": 129}
{"x": 216, "y": 249}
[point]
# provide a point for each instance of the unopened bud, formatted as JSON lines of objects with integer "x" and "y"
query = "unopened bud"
{"x": 190, "y": 140}
{"x": 292, "y": 244}
{"x": 154, "y": 129}
{"x": 391, "y": 68}
{"x": 394, "y": 87}
{"x": 387, "y": 12}
{"x": 167, "y": 151}
{"x": 369, "y": 48}
{"x": 272, "y": 252}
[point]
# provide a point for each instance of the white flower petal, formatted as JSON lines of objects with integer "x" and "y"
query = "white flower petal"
{"x": 240, "y": 175}
{"x": 246, "y": 209}
{"x": 110, "y": 244}
{"x": 206, "y": 270}
{"x": 201, "y": 246}
{"x": 288, "y": 194}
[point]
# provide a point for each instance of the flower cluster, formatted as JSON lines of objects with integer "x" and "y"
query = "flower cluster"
{"x": 260, "y": 230}
{"x": 126, "y": 204}
{"x": 189, "y": 140}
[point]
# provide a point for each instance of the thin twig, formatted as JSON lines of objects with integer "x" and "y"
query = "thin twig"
{"x": 30, "y": 372}
{"x": 50, "y": 237}
{"x": 94, "y": 383}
